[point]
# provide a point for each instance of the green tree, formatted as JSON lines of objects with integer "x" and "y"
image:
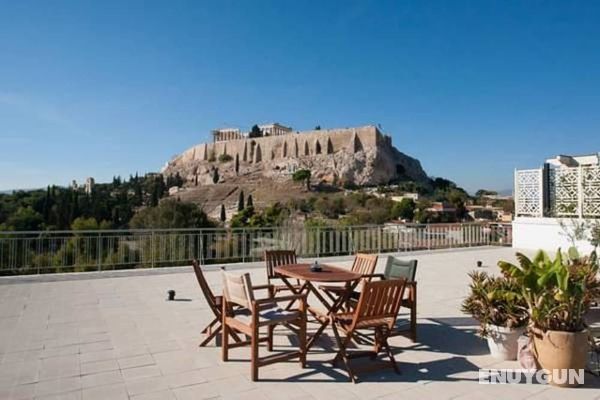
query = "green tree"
{"x": 223, "y": 158}
{"x": 171, "y": 213}
{"x": 405, "y": 209}
{"x": 302, "y": 175}
{"x": 223, "y": 213}
{"x": 25, "y": 219}
{"x": 241, "y": 201}
{"x": 88, "y": 224}
{"x": 249, "y": 202}
{"x": 255, "y": 132}
{"x": 484, "y": 192}
{"x": 242, "y": 218}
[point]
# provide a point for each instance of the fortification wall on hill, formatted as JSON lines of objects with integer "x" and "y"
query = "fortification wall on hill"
{"x": 362, "y": 155}
{"x": 293, "y": 145}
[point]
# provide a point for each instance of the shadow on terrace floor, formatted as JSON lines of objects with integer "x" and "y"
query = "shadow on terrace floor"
{"x": 442, "y": 337}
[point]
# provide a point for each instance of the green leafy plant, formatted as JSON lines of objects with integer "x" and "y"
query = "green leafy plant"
{"x": 223, "y": 158}
{"x": 212, "y": 157}
{"x": 302, "y": 175}
{"x": 495, "y": 301}
{"x": 558, "y": 291}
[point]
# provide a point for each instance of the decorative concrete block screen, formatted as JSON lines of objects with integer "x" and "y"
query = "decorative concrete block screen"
{"x": 528, "y": 192}
{"x": 558, "y": 192}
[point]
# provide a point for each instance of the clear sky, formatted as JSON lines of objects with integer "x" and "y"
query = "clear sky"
{"x": 473, "y": 89}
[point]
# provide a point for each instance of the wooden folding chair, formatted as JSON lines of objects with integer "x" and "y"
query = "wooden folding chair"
{"x": 276, "y": 258}
{"x": 363, "y": 264}
{"x": 377, "y": 309}
{"x": 396, "y": 268}
{"x": 215, "y": 303}
{"x": 262, "y": 313}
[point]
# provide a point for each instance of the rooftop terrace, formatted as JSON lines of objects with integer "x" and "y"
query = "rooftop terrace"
{"x": 112, "y": 335}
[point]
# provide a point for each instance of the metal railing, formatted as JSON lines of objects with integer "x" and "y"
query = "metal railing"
{"x": 66, "y": 251}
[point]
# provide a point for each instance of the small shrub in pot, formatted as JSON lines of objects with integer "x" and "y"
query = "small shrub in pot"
{"x": 498, "y": 305}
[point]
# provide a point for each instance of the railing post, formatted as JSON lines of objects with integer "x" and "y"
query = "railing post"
{"x": 99, "y": 251}
{"x": 318, "y": 241}
{"x": 244, "y": 238}
{"x": 152, "y": 249}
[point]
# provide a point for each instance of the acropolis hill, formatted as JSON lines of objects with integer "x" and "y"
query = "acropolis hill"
{"x": 359, "y": 156}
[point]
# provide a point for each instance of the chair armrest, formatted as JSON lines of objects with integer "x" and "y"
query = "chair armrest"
{"x": 262, "y": 287}
{"x": 280, "y": 299}
{"x": 380, "y": 276}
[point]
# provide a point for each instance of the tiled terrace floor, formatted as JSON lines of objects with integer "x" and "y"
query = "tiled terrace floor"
{"x": 117, "y": 338}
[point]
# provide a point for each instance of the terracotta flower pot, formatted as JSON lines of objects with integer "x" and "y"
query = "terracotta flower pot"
{"x": 503, "y": 341}
{"x": 558, "y": 351}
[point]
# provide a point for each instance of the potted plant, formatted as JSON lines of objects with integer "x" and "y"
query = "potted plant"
{"x": 558, "y": 293}
{"x": 498, "y": 305}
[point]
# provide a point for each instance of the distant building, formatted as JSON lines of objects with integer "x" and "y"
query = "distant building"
{"x": 412, "y": 196}
{"x": 74, "y": 185}
{"x": 556, "y": 202}
{"x": 89, "y": 185}
{"x": 274, "y": 129}
{"x": 441, "y": 207}
{"x": 505, "y": 216}
{"x": 225, "y": 134}
{"x": 575, "y": 161}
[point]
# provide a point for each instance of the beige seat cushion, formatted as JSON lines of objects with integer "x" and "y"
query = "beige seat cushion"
{"x": 270, "y": 313}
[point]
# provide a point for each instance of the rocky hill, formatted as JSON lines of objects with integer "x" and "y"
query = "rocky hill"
{"x": 215, "y": 172}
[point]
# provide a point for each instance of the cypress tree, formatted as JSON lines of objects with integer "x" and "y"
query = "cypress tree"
{"x": 223, "y": 214}
{"x": 47, "y": 205}
{"x": 241, "y": 201}
{"x": 249, "y": 202}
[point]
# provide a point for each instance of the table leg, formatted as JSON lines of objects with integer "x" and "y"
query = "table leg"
{"x": 293, "y": 290}
{"x": 332, "y": 309}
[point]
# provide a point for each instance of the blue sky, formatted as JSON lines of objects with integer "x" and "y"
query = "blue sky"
{"x": 473, "y": 89}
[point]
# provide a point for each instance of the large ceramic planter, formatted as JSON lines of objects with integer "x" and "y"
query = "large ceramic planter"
{"x": 503, "y": 342}
{"x": 560, "y": 351}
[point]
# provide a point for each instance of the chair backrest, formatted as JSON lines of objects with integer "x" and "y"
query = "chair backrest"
{"x": 379, "y": 301}
{"x": 208, "y": 293}
{"x": 237, "y": 289}
{"x": 275, "y": 258}
{"x": 396, "y": 268}
{"x": 365, "y": 264}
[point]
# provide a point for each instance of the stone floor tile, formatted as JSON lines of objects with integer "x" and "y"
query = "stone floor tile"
{"x": 98, "y": 356}
{"x": 57, "y": 386}
{"x": 146, "y": 385}
{"x": 162, "y": 395}
{"x": 186, "y": 378}
{"x": 136, "y": 361}
{"x": 140, "y": 372}
{"x": 106, "y": 392}
{"x": 100, "y": 379}
{"x": 99, "y": 366}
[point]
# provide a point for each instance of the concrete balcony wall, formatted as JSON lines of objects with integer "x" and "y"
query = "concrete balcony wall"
{"x": 547, "y": 233}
